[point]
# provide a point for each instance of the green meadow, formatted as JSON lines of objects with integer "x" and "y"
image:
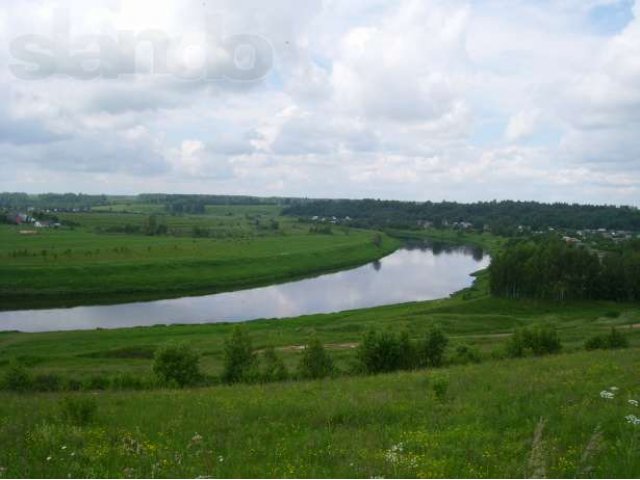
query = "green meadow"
{"x": 229, "y": 247}
{"x": 464, "y": 421}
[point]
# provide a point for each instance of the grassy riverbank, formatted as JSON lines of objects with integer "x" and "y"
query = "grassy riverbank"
{"x": 234, "y": 248}
{"x": 465, "y": 421}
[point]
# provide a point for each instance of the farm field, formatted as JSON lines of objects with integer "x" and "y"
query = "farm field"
{"x": 463, "y": 421}
{"x": 228, "y": 248}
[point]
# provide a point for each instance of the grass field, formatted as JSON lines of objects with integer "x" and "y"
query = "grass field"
{"x": 86, "y": 265}
{"x": 465, "y": 421}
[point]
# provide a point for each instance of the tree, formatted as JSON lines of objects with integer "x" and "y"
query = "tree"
{"x": 273, "y": 368}
{"x": 177, "y": 364}
{"x": 432, "y": 350}
{"x": 240, "y": 363}
{"x": 315, "y": 362}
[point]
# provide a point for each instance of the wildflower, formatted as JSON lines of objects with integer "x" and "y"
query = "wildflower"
{"x": 607, "y": 395}
{"x": 63, "y": 447}
{"x": 3, "y": 470}
{"x": 196, "y": 439}
{"x": 614, "y": 389}
{"x": 220, "y": 458}
{"x": 633, "y": 402}
{"x": 49, "y": 458}
{"x": 632, "y": 419}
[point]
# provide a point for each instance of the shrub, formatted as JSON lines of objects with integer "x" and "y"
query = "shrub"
{"x": 240, "y": 363}
{"x": 274, "y": 369}
{"x": 177, "y": 364}
{"x": 465, "y": 354}
{"x": 96, "y": 382}
{"x": 385, "y": 352}
{"x": 538, "y": 340}
{"x": 49, "y": 382}
{"x": 17, "y": 378}
{"x": 315, "y": 362}
{"x": 78, "y": 410}
{"x": 613, "y": 340}
{"x": 431, "y": 352}
{"x": 440, "y": 386}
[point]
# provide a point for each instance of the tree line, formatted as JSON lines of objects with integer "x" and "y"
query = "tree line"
{"x": 552, "y": 269}
{"x": 502, "y": 217}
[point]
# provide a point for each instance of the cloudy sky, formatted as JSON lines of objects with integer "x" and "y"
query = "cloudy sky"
{"x": 406, "y": 99}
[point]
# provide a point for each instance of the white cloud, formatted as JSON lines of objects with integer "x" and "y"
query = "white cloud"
{"x": 407, "y": 99}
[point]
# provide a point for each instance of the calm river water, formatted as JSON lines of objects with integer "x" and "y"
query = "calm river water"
{"x": 413, "y": 273}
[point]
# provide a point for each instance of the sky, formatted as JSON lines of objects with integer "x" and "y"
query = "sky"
{"x": 397, "y": 99}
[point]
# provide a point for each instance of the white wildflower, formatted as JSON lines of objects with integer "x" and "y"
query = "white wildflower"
{"x": 63, "y": 447}
{"x": 614, "y": 389}
{"x": 49, "y": 458}
{"x": 607, "y": 395}
{"x": 632, "y": 419}
{"x": 633, "y": 402}
{"x": 220, "y": 458}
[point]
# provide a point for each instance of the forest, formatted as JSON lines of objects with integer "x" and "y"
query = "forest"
{"x": 502, "y": 217}
{"x": 552, "y": 269}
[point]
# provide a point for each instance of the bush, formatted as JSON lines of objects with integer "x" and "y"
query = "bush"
{"x": 274, "y": 369}
{"x": 17, "y": 378}
{"x": 465, "y": 354}
{"x": 177, "y": 364}
{"x": 613, "y": 340}
{"x": 96, "y": 382}
{"x": 315, "y": 362}
{"x": 384, "y": 352}
{"x": 78, "y": 410}
{"x": 240, "y": 363}
{"x": 47, "y": 383}
{"x": 538, "y": 340}
{"x": 431, "y": 352}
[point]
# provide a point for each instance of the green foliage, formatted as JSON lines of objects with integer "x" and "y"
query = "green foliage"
{"x": 47, "y": 382}
{"x": 17, "y": 378}
{"x": 431, "y": 350}
{"x": 537, "y": 340}
{"x": 315, "y": 362}
{"x": 614, "y": 339}
{"x": 273, "y": 368}
{"x": 440, "y": 385}
{"x": 177, "y": 364}
{"x": 554, "y": 270}
{"x": 466, "y": 354}
{"x": 240, "y": 362}
{"x": 78, "y": 410}
{"x": 385, "y": 352}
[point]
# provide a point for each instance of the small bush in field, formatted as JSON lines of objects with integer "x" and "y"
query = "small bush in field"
{"x": 440, "y": 386}
{"x": 177, "y": 364}
{"x": 78, "y": 410}
{"x": 315, "y": 362}
{"x": 431, "y": 351}
{"x": 465, "y": 354}
{"x": 613, "y": 340}
{"x": 273, "y": 368}
{"x": 17, "y": 378}
{"x": 240, "y": 362}
{"x": 538, "y": 340}
{"x": 48, "y": 382}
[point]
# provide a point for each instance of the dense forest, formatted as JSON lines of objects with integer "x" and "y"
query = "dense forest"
{"x": 552, "y": 269}
{"x": 501, "y": 217}
{"x": 65, "y": 201}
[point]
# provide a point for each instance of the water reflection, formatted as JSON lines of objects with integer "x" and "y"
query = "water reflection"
{"x": 420, "y": 271}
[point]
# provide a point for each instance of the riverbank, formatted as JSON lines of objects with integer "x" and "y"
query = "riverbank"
{"x": 72, "y": 268}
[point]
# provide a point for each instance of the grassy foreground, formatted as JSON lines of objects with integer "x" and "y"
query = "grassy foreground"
{"x": 466, "y": 421}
